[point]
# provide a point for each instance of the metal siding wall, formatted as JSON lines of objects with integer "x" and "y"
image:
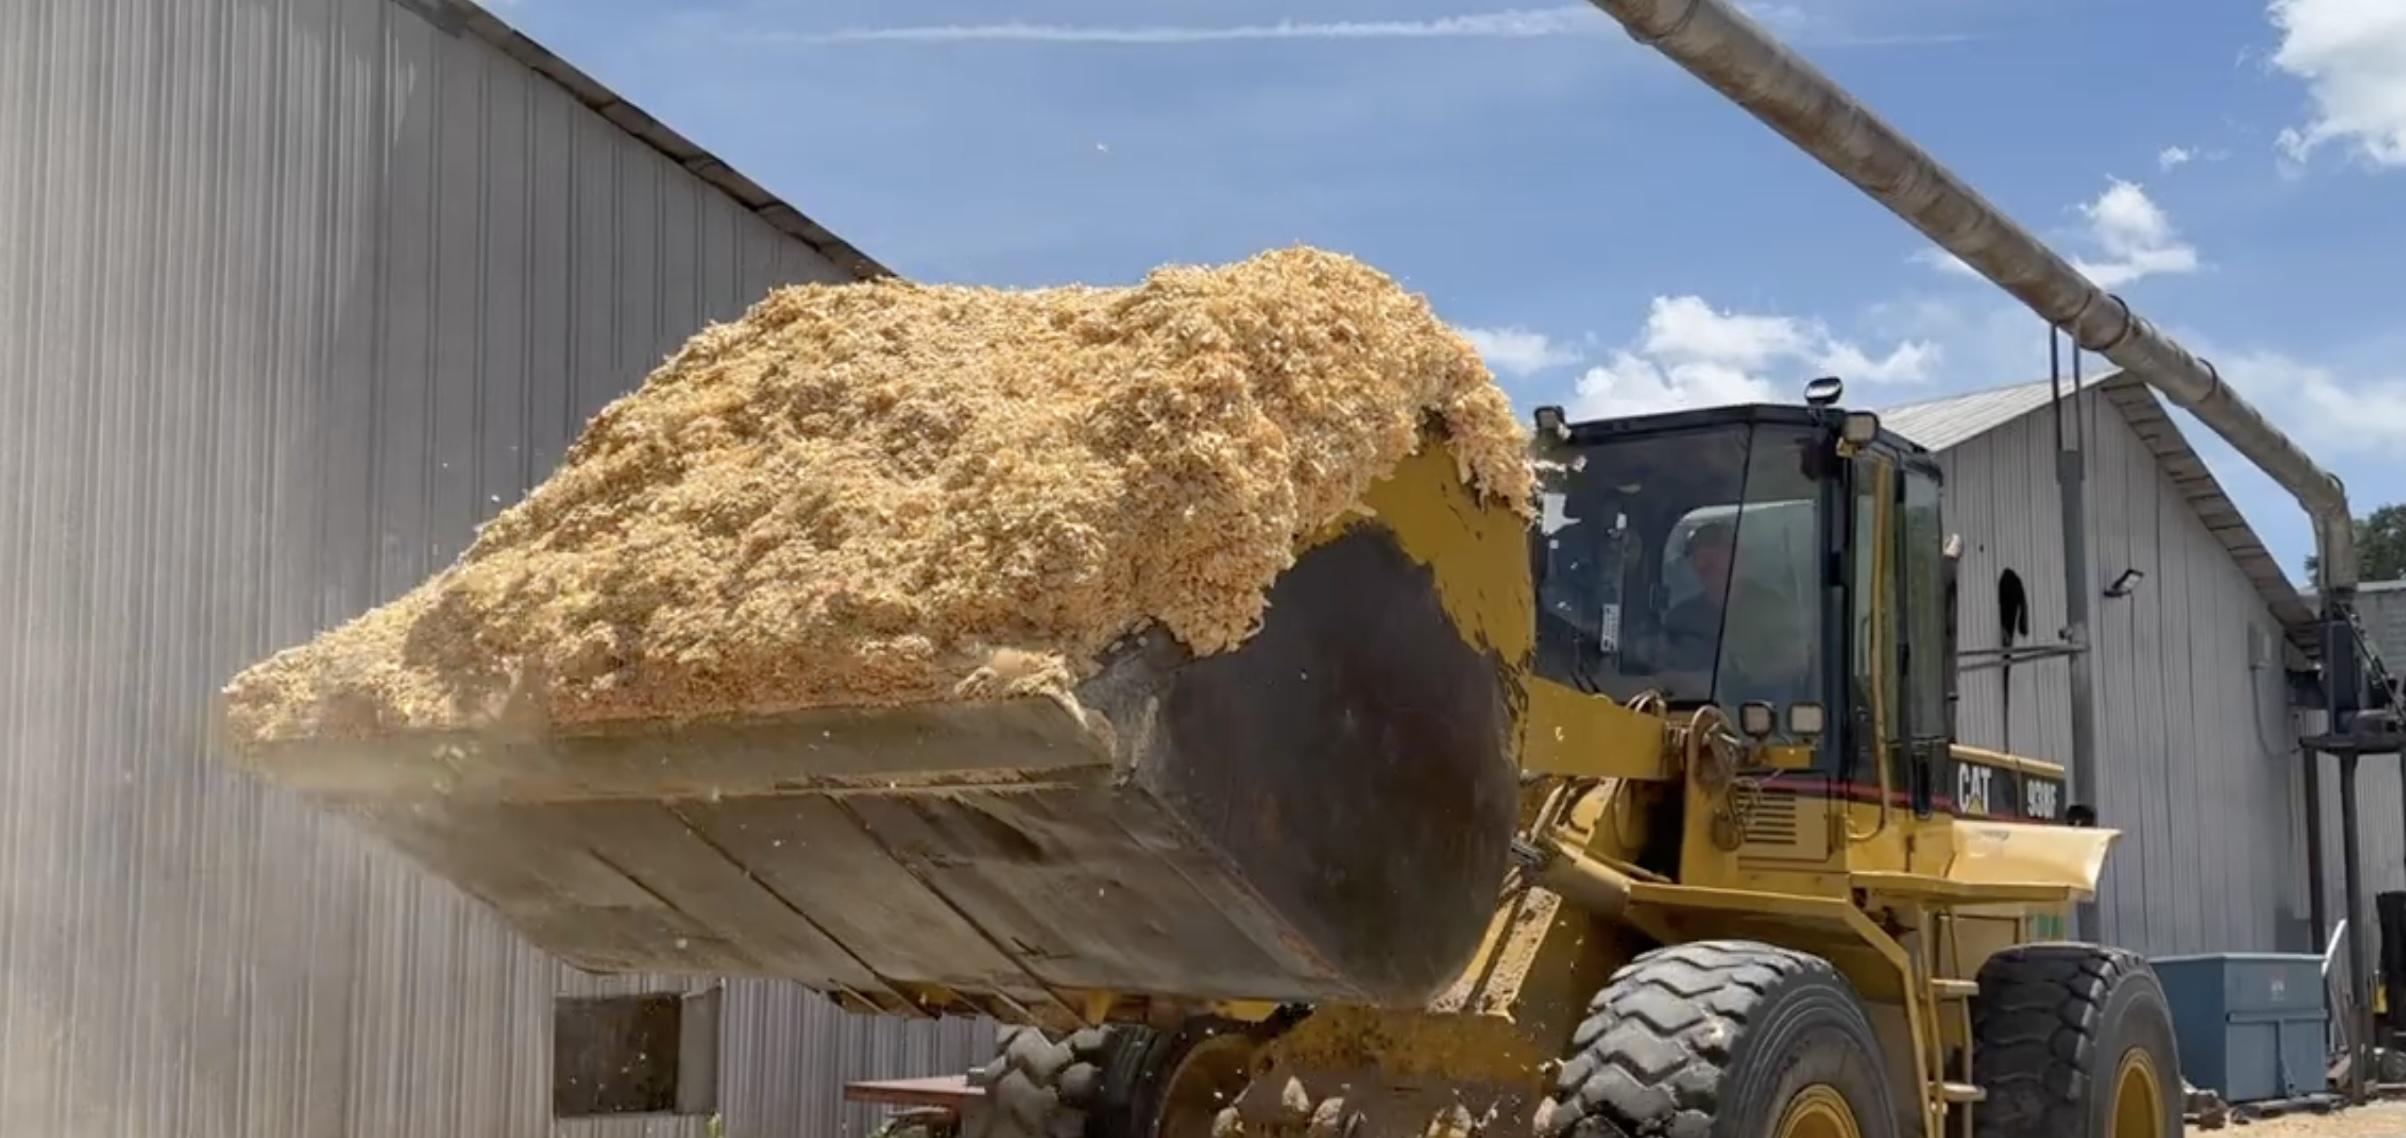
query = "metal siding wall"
{"x": 1969, "y": 503}
{"x": 2382, "y": 608}
{"x": 293, "y": 293}
{"x": 2000, "y": 495}
{"x": 2172, "y": 668}
{"x": 2133, "y": 783}
{"x": 2121, "y": 526}
{"x": 2384, "y": 852}
{"x": 2189, "y": 735}
{"x": 2382, "y": 836}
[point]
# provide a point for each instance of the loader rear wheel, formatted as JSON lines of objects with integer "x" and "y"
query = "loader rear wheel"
{"x": 1723, "y": 1039}
{"x": 1039, "y": 1087}
{"x": 2074, "y": 1041}
{"x": 1120, "y": 1081}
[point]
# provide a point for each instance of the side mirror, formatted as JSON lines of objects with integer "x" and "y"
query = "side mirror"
{"x": 1552, "y": 423}
{"x": 1953, "y": 549}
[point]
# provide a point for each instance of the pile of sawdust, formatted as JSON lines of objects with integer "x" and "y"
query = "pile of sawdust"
{"x": 886, "y": 493}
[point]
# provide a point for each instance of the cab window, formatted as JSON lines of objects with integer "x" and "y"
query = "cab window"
{"x": 1875, "y": 698}
{"x": 1683, "y": 563}
{"x": 1923, "y": 557}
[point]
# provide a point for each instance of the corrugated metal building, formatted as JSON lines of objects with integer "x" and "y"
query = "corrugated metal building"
{"x": 2381, "y": 608}
{"x": 292, "y": 294}
{"x": 295, "y": 292}
{"x": 2381, "y": 605}
{"x": 2198, "y": 749}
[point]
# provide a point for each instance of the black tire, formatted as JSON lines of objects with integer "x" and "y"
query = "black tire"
{"x": 1038, "y": 1087}
{"x": 1172, "y": 1084}
{"x": 2051, "y": 1028}
{"x": 1714, "y": 1040}
{"x": 1105, "y": 1082}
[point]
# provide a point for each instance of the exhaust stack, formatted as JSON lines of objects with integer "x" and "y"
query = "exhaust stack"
{"x": 1720, "y": 45}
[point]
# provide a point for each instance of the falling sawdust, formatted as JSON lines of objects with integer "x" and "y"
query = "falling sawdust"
{"x": 887, "y": 493}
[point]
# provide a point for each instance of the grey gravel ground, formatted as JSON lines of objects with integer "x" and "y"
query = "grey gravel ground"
{"x": 2377, "y": 1120}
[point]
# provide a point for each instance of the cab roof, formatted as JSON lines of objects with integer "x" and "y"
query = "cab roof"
{"x": 1896, "y": 446}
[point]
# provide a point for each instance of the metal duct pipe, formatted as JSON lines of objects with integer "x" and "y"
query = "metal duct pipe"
{"x": 1718, "y": 44}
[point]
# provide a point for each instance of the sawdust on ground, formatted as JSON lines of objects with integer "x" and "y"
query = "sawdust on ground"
{"x": 885, "y": 493}
{"x": 2373, "y": 1120}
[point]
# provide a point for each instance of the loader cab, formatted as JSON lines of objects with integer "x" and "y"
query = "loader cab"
{"x": 1785, "y": 564}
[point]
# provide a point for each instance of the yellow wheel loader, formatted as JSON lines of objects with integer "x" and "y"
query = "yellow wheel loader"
{"x": 1751, "y": 887}
{"x": 1640, "y": 816}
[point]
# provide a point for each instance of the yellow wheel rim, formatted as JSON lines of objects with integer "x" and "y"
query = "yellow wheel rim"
{"x": 1204, "y": 1083}
{"x": 1818, "y": 1111}
{"x": 2138, "y": 1097}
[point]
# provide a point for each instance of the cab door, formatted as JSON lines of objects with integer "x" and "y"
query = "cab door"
{"x": 1922, "y": 661}
{"x": 1874, "y": 706}
{"x": 1897, "y": 637}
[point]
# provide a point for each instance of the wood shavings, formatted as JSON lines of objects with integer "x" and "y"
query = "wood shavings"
{"x": 885, "y": 493}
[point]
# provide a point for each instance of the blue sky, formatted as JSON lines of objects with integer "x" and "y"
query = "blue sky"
{"x": 1619, "y": 237}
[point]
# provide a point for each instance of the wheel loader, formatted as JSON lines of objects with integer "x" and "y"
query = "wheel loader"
{"x": 1638, "y": 813}
{"x": 1751, "y": 886}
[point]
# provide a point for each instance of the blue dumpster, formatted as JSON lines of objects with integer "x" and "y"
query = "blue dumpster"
{"x": 2249, "y": 1025}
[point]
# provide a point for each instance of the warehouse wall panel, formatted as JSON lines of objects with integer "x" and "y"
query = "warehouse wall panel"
{"x": 293, "y": 294}
{"x": 2381, "y": 607}
{"x": 2196, "y": 746}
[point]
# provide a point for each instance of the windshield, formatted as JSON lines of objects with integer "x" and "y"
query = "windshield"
{"x": 1682, "y": 562}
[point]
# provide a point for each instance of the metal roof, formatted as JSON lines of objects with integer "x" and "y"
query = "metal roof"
{"x": 1942, "y": 423}
{"x": 463, "y": 16}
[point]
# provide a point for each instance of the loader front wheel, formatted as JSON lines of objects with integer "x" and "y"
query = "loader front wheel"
{"x": 1723, "y": 1039}
{"x": 1040, "y": 1087}
{"x": 2074, "y": 1041}
{"x": 1178, "y": 1083}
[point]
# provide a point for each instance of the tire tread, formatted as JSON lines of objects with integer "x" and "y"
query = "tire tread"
{"x": 2035, "y": 1026}
{"x": 1650, "y": 1057}
{"x": 1040, "y": 1087}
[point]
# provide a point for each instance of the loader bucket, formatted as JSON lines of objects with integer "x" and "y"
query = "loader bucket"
{"x": 1319, "y": 815}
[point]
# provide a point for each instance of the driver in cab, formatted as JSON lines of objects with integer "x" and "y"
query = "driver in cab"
{"x": 1693, "y": 626}
{"x": 1751, "y": 664}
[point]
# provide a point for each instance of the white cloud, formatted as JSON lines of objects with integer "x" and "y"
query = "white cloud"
{"x": 1630, "y": 384}
{"x": 1518, "y": 23}
{"x": 2133, "y": 235}
{"x": 2352, "y": 56}
{"x": 1908, "y": 362}
{"x": 1988, "y": 338}
{"x": 1684, "y": 329}
{"x": 1690, "y": 354}
{"x": 2174, "y": 157}
{"x": 2329, "y": 412}
{"x": 2136, "y": 236}
{"x": 1946, "y": 262}
{"x": 1519, "y": 351}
